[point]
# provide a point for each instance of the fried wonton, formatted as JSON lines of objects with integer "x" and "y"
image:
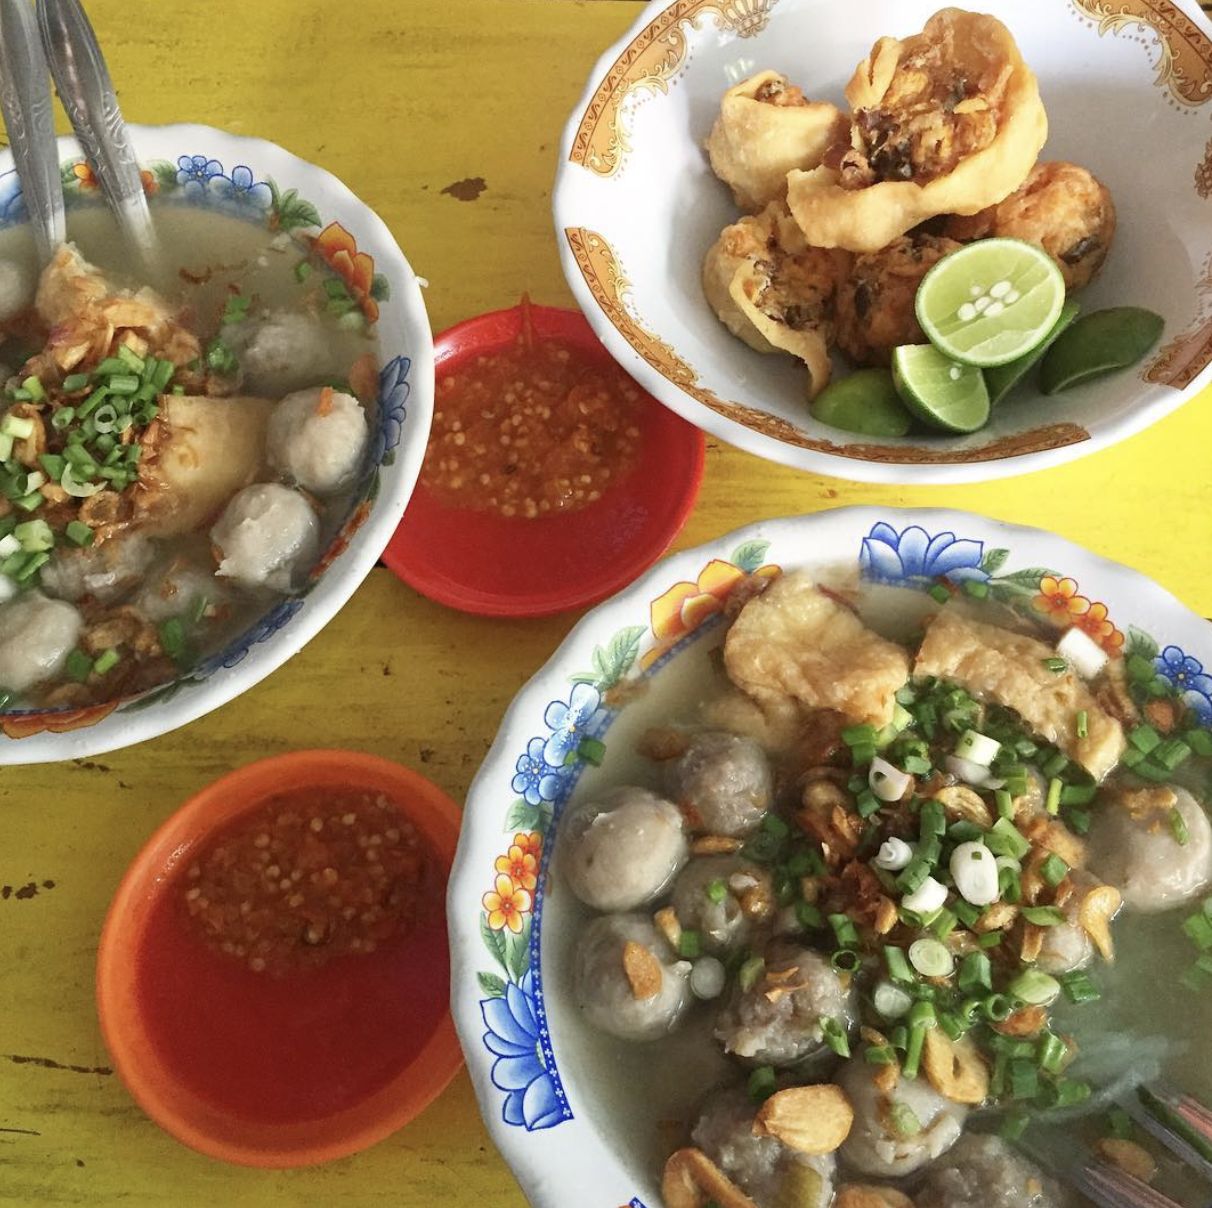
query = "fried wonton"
{"x": 948, "y": 121}
{"x": 770, "y": 289}
{"x": 765, "y": 128}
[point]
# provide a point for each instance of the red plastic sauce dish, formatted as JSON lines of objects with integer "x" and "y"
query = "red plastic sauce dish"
{"x": 273, "y": 976}
{"x": 527, "y": 548}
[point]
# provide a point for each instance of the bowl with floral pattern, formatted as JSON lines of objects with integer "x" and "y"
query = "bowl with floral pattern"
{"x": 552, "y": 1100}
{"x": 201, "y": 168}
{"x": 1127, "y": 86}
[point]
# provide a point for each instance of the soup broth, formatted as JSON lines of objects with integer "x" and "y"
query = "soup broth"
{"x": 644, "y": 1097}
{"x": 195, "y": 497}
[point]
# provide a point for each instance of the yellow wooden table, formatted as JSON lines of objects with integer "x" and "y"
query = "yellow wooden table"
{"x": 403, "y": 99}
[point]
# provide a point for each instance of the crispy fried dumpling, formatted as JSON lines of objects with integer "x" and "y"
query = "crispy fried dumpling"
{"x": 1060, "y": 207}
{"x": 770, "y": 289}
{"x": 948, "y": 121}
{"x": 765, "y": 128}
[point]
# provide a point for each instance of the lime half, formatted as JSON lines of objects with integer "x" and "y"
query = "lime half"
{"x": 865, "y": 402}
{"x": 941, "y": 392}
{"x": 990, "y": 302}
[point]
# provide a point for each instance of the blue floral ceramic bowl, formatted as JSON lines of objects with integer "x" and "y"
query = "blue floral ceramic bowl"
{"x": 544, "y": 1103}
{"x": 200, "y": 167}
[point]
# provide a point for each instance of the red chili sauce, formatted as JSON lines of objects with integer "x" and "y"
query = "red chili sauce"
{"x": 297, "y": 961}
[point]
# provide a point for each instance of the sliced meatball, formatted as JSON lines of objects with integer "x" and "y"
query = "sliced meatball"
{"x": 764, "y": 1168}
{"x": 1068, "y": 945}
{"x": 899, "y": 1131}
{"x": 318, "y": 438}
{"x": 102, "y": 572}
{"x": 179, "y": 588}
{"x": 984, "y": 1172}
{"x": 36, "y": 636}
{"x": 726, "y": 899}
{"x": 1135, "y": 846}
{"x": 266, "y": 536}
{"x": 778, "y": 1019}
{"x": 627, "y": 980}
{"x": 623, "y": 850}
{"x": 722, "y": 783}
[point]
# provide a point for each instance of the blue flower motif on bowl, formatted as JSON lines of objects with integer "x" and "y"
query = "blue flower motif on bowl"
{"x": 535, "y": 779}
{"x": 1188, "y": 678}
{"x": 394, "y": 389}
{"x": 570, "y": 723}
{"x": 241, "y": 188}
{"x": 195, "y": 172}
{"x": 277, "y": 618}
{"x": 518, "y": 1040}
{"x": 12, "y": 200}
{"x": 913, "y": 556}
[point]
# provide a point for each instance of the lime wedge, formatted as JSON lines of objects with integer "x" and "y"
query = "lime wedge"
{"x": 1099, "y": 343}
{"x": 941, "y": 392}
{"x": 990, "y": 302}
{"x": 866, "y": 402}
{"x": 1002, "y": 379}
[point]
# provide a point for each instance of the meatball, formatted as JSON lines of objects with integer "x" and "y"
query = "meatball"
{"x": 278, "y": 352}
{"x": 614, "y": 958}
{"x": 1133, "y": 846}
{"x": 723, "y": 898}
{"x": 177, "y": 590}
{"x": 778, "y": 1019}
{"x": 623, "y": 850}
{"x": 318, "y": 437}
{"x": 102, "y": 572}
{"x": 1068, "y": 945}
{"x": 763, "y": 1167}
{"x": 875, "y": 305}
{"x": 722, "y": 783}
{"x": 899, "y": 1131}
{"x": 1061, "y": 208}
{"x": 267, "y": 533}
{"x": 36, "y": 636}
{"x": 984, "y": 1172}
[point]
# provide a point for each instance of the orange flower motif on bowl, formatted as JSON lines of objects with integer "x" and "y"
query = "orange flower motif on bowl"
{"x": 685, "y": 606}
{"x": 520, "y": 866}
{"x": 1059, "y": 601}
{"x": 531, "y": 843}
{"x": 340, "y": 543}
{"x": 88, "y": 179}
{"x": 339, "y": 250}
{"x": 1095, "y": 622}
{"x": 57, "y": 722}
{"x": 506, "y": 905}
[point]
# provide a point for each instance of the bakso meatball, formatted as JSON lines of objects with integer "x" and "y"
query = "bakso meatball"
{"x": 178, "y": 589}
{"x": 764, "y": 1168}
{"x": 623, "y": 850}
{"x": 1068, "y": 945}
{"x": 722, "y": 783}
{"x": 36, "y": 636}
{"x": 899, "y": 1131}
{"x": 985, "y": 1172}
{"x": 102, "y": 572}
{"x": 1135, "y": 845}
{"x": 266, "y": 535}
{"x": 1060, "y": 207}
{"x": 725, "y": 899}
{"x": 279, "y": 351}
{"x": 16, "y": 289}
{"x": 627, "y": 980}
{"x": 875, "y": 305}
{"x": 779, "y": 1019}
{"x": 318, "y": 437}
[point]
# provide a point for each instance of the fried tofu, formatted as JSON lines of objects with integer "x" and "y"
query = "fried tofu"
{"x": 1009, "y": 669}
{"x": 795, "y": 643}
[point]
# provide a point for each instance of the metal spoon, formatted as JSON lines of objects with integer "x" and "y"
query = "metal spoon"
{"x": 25, "y": 99}
{"x": 87, "y": 93}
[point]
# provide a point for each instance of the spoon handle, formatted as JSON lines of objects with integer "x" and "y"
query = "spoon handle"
{"x": 25, "y": 99}
{"x": 87, "y": 93}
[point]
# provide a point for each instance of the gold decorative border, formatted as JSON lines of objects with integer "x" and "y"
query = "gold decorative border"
{"x": 609, "y": 285}
{"x": 648, "y": 62}
{"x": 1184, "y": 358}
{"x": 1185, "y": 67}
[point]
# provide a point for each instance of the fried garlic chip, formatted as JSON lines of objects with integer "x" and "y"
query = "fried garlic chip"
{"x": 948, "y": 121}
{"x": 770, "y": 289}
{"x": 765, "y": 129}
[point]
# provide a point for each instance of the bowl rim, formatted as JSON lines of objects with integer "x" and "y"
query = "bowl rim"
{"x": 197, "y": 819}
{"x": 569, "y": 324}
{"x": 570, "y": 177}
{"x": 532, "y": 1161}
{"x": 397, "y": 481}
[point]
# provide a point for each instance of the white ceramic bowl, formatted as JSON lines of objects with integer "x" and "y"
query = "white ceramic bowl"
{"x": 548, "y": 1089}
{"x": 203, "y": 167}
{"x": 1128, "y": 88}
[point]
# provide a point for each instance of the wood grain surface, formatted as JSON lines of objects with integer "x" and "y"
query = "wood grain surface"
{"x": 445, "y": 116}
